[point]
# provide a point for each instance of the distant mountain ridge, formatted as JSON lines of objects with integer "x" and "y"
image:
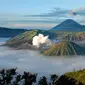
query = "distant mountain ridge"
{"x": 8, "y": 32}
{"x": 69, "y": 25}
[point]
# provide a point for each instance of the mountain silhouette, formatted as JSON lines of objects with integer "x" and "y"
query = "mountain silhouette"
{"x": 9, "y": 32}
{"x": 69, "y": 25}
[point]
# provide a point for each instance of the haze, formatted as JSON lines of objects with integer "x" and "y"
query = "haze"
{"x": 40, "y": 14}
{"x": 32, "y": 61}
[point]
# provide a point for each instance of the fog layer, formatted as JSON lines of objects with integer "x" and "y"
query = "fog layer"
{"x": 32, "y": 61}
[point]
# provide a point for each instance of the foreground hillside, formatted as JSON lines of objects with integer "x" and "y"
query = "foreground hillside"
{"x": 12, "y": 77}
{"x": 72, "y": 78}
{"x": 64, "y": 48}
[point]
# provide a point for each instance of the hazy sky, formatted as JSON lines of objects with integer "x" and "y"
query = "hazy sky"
{"x": 48, "y": 13}
{"x": 37, "y": 6}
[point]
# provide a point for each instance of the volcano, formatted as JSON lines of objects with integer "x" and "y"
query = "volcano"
{"x": 64, "y": 48}
{"x": 24, "y": 40}
{"x": 69, "y": 25}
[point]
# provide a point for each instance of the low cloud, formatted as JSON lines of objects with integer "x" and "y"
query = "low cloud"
{"x": 45, "y": 20}
{"x": 79, "y": 11}
{"x": 56, "y": 12}
{"x": 32, "y": 61}
{"x": 34, "y": 26}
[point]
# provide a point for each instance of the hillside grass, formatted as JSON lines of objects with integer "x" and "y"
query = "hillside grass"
{"x": 79, "y": 76}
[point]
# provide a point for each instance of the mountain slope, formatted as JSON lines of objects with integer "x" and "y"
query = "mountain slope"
{"x": 78, "y": 36}
{"x": 7, "y": 32}
{"x": 21, "y": 39}
{"x": 69, "y": 25}
{"x": 64, "y": 48}
{"x": 26, "y": 37}
{"x": 72, "y": 78}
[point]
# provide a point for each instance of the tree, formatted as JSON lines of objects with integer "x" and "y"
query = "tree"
{"x": 29, "y": 78}
{"x": 43, "y": 81}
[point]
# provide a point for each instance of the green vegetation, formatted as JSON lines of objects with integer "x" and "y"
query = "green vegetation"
{"x": 12, "y": 77}
{"x": 43, "y": 81}
{"x": 79, "y": 76}
{"x": 64, "y": 48}
{"x": 72, "y": 78}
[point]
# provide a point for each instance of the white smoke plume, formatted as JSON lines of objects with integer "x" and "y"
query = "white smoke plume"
{"x": 40, "y": 40}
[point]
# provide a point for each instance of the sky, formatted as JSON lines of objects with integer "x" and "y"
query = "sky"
{"x": 40, "y": 13}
